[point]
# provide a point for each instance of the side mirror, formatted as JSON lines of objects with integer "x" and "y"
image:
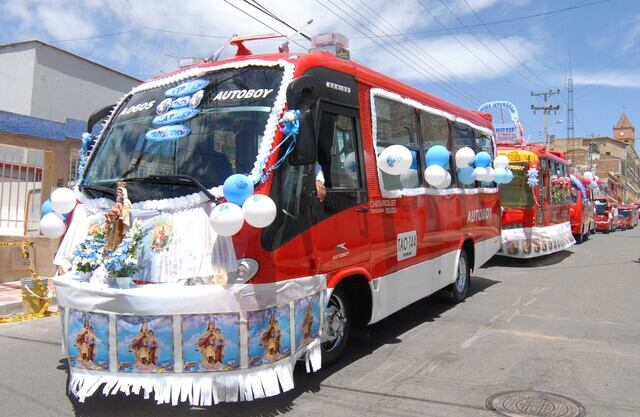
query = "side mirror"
{"x": 98, "y": 116}
{"x": 304, "y": 153}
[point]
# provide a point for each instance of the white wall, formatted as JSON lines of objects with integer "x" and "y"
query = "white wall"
{"x": 69, "y": 87}
{"x": 16, "y": 79}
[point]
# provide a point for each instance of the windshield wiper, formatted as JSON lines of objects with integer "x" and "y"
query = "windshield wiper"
{"x": 187, "y": 180}
{"x": 100, "y": 188}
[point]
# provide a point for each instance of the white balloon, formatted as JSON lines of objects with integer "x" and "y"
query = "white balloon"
{"x": 436, "y": 176}
{"x": 588, "y": 174}
{"x": 447, "y": 181}
{"x": 481, "y": 173}
{"x": 259, "y": 210}
{"x": 491, "y": 174}
{"x": 52, "y": 225}
{"x": 226, "y": 219}
{"x": 63, "y": 200}
{"x": 501, "y": 161}
{"x": 395, "y": 160}
{"x": 465, "y": 157}
{"x": 597, "y": 178}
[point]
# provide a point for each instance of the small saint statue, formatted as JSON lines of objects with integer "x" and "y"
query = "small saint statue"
{"x": 118, "y": 218}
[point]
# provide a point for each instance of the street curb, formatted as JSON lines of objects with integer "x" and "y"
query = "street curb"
{"x": 16, "y": 307}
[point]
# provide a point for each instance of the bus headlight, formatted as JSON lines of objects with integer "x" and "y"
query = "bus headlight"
{"x": 247, "y": 268}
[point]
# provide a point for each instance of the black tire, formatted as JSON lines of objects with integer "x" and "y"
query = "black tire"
{"x": 336, "y": 334}
{"x": 458, "y": 290}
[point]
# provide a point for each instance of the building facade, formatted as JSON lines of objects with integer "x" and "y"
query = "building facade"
{"x": 614, "y": 159}
{"x": 47, "y": 96}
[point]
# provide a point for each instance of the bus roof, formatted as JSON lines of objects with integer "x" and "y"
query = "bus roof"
{"x": 306, "y": 61}
{"x": 539, "y": 150}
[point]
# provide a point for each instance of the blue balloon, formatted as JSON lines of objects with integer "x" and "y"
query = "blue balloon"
{"x": 483, "y": 160}
{"x": 437, "y": 155}
{"x": 465, "y": 175}
{"x": 509, "y": 176}
{"x": 46, "y": 207}
{"x": 237, "y": 188}
{"x": 502, "y": 175}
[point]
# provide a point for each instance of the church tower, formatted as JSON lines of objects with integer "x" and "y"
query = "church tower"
{"x": 624, "y": 130}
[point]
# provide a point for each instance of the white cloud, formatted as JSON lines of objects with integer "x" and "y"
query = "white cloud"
{"x": 455, "y": 61}
{"x": 615, "y": 78}
{"x": 61, "y": 23}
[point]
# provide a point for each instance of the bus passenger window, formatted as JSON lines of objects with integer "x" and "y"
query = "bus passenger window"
{"x": 396, "y": 125}
{"x": 435, "y": 131}
{"x": 484, "y": 143}
{"x": 338, "y": 153}
{"x": 463, "y": 137}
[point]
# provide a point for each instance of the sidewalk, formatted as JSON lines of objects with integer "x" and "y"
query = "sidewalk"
{"x": 11, "y": 297}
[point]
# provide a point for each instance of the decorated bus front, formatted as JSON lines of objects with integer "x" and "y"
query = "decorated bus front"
{"x": 173, "y": 196}
{"x": 535, "y": 218}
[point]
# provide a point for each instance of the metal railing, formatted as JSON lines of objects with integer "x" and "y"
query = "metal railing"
{"x": 20, "y": 190}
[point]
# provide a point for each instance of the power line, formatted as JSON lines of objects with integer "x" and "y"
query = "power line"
{"x": 273, "y": 15}
{"x": 390, "y": 51}
{"x": 262, "y": 23}
{"x": 542, "y": 82}
{"x": 502, "y": 21}
{"x": 467, "y": 87}
{"x": 485, "y": 45}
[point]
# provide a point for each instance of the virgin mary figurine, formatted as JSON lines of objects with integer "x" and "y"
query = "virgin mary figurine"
{"x": 118, "y": 218}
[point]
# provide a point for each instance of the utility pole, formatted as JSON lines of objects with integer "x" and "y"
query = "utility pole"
{"x": 570, "y": 130}
{"x": 547, "y": 108}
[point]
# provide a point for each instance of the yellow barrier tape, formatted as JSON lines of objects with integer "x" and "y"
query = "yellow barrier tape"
{"x": 41, "y": 293}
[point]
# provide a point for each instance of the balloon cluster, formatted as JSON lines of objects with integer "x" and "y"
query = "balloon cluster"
{"x": 564, "y": 182}
{"x": 590, "y": 180}
{"x": 532, "y": 177}
{"x": 436, "y": 159}
{"x": 472, "y": 167}
{"x": 228, "y": 218}
{"x": 52, "y": 223}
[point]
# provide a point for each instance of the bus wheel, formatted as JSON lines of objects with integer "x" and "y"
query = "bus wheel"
{"x": 459, "y": 288}
{"x": 337, "y": 326}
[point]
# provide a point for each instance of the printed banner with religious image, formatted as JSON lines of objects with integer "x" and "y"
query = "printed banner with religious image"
{"x": 161, "y": 234}
{"x": 145, "y": 343}
{"x": 307, "y": 320}
{"x": 536, "y": 241}
{"x": 88, "y": 340}
{"x": 269, "y": 335}
{"x": 210, "y": 342}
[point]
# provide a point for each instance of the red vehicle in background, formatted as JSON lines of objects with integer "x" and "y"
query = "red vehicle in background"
{"x": 536, "y": 203}
{"x": 604, "y": 216}
{"x": 581, "y": 211}
{"x": 627, "y": 217}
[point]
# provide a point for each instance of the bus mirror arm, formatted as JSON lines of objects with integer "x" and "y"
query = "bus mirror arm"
{"x": 304, "y": 153}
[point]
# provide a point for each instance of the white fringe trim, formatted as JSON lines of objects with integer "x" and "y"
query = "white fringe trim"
{"x": 199, "y": 389}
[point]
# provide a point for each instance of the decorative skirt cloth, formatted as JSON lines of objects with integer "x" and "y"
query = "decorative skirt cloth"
{"x": 203, "y": 344}
{"x": 530, "y": 242}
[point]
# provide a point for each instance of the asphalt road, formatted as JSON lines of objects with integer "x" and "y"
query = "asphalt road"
{"x": 568, "y": 324}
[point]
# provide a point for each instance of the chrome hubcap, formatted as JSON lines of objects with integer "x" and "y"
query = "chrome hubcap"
{"x": 461, "y": 281}
{"x": 335, "y": 321}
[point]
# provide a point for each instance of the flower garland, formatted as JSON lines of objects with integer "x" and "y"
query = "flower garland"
{"x": 83, "y": 154}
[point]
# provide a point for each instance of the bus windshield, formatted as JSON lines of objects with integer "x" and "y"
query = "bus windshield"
{"x": 224, "y": 131}
{"x": 600, "y": 209}
{"x": 624, "y": 212}
{"x": 517, "y": 193}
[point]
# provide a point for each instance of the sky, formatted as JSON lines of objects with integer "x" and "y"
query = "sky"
{"x": 465, "y": 51}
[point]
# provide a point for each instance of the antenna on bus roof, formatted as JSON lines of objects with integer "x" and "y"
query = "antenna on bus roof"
{"x": 217, "y": 54}
{"x": 284, "y": 48}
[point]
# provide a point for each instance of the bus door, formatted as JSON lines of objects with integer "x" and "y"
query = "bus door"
{"x": 543, "y": 198}
{"x": 340, "y": 232}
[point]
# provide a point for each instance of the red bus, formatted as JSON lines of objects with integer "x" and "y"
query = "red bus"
{"x": 628, "y": 217}
{"x": 604, "y": 215}
{"x": 535, "y": 218}
{"x": 354, "y": 241}
{"x": 581, "y": 211}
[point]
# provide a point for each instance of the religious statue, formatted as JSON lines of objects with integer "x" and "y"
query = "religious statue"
{"x": 211, "y": 346}
{"x": 271, "y": 339}
{"x": 86, "y": 343}
{"x": 143, "y": 348}
{"x": 307, "y": 325}
{"x": 118, "y": 218}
